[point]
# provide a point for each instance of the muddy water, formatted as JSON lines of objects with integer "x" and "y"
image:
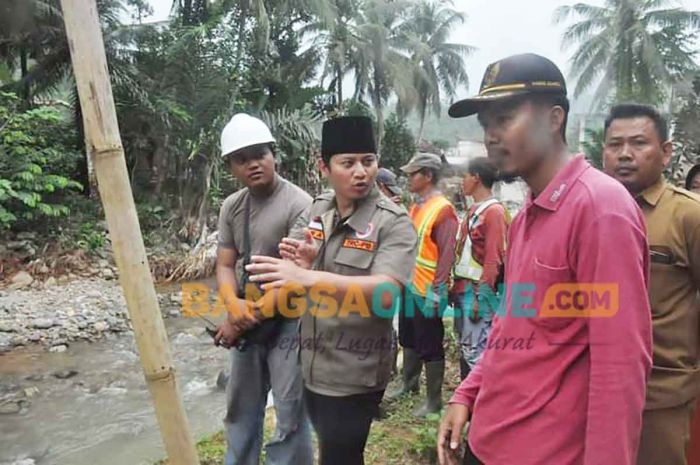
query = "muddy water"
{"x": 103, "y": 415}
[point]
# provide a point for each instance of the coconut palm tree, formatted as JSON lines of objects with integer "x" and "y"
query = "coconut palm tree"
{"x": 32, "y": 38}
{"x": 379, "y": 67}
{"x": 438, "y": 64}
{"x": 633, "y": 49}
{"x": 338, "y": 41}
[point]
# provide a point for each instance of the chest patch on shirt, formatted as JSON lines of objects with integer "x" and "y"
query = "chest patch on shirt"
{"x": 365, "y": 234}
{"x": 359, "y": 244}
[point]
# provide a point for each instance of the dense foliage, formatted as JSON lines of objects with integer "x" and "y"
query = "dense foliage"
{"x": 34, "y": 151}
{"x": 291, "y": 62}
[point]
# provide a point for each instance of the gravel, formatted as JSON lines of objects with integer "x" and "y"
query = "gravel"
{"x": 84, "y": 309}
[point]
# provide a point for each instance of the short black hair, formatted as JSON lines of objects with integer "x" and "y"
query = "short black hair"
{"x": 637, "y": 110}
{"x": 435, "y": 174}
{"x": 692, "y": 172}
{"x": 554, "y": 100}
{"x": 485, "y": 169}
{"x": 252, "y": 150}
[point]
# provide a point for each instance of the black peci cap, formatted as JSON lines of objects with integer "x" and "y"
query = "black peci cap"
{"x": 510, "y": 77}
{"x": 692, "y": 172}
{"x": 348, "y": 134}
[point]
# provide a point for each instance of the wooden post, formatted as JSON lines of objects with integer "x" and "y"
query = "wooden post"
{"x": 107, "y": 154}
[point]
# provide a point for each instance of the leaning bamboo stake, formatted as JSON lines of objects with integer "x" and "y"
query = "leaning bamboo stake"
{"x": 107, "y": 154}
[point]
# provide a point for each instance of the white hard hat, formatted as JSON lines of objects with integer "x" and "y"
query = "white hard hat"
{"x": 243, "y": 131}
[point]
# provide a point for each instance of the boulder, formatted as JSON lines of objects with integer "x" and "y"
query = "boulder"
{"x": 107, "y": 273}
{"x": 11, "y": 407}
{"x": 65, "y": 374}
{"x": 16, "y": 245}
{"x": 100, "y": 326}
{"x": 7, "y": 327}
{"x": 43, "y": 323}
{"x": 26, "y": 235}
{"x": 59, "y": 348}
{"x": 21, "y": 280}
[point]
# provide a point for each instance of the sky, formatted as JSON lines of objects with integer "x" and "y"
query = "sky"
{"x": 498, "y": 28}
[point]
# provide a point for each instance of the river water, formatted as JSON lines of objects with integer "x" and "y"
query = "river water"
{"x": 103, "y": 415}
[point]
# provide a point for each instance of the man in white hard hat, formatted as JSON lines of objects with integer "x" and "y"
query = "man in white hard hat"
{"x": 253, "y": 221}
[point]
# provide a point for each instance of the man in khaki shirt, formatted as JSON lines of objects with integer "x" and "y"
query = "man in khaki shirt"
{"x": 364, "y": 255}
{"x": 637, "y": 150}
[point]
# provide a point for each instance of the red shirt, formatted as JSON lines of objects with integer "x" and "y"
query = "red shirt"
{"x": 571, "y": 391}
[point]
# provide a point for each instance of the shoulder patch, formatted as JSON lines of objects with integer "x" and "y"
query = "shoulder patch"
{"x": 325, "y": 196}
{"x": 684, "y": 193}
{"x": 386, "y": 204}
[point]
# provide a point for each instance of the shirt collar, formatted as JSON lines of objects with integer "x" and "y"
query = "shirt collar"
{"x": 653, "y": 193}
{"x": 553, "y": 195}
{"x": 421, "y": 200}
{"x": 360, "y": 217}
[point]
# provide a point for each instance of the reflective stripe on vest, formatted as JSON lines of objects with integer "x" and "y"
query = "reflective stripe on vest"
{"x": 426, "y": 261}
{"x": 466, "y": 265}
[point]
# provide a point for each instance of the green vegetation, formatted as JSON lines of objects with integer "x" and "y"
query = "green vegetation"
{"x": 34, "y": 152}
{"x": 593, "y": 147}
{"x": 176, "y": 83}
{"x": 398, "y": 145}
{"x": 635, "y": 50}
{"x": 686, "y": 136}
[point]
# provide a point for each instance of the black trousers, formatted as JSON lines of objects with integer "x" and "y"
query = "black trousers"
{"x": 469, "y": 457}
{"x": 423, "y": 334}
{"x": 342, "y": 425}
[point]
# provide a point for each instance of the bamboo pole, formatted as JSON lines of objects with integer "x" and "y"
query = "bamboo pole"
{"x": 107, "y": 154}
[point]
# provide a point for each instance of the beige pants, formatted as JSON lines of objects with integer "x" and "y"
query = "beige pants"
{"x": 665, "y": 434}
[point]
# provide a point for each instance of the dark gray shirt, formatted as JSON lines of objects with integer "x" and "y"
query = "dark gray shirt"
{"x": 271, "y": 219}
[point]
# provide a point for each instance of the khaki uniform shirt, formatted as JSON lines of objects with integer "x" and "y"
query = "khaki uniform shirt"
{"x": 347, "y": 354}
{"x": 673, "y": 225}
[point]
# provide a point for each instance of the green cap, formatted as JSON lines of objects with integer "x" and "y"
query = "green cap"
{"x": 422, "y": 160}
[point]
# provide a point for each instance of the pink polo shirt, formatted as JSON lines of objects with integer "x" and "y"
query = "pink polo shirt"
{"x": 566, "y": 390}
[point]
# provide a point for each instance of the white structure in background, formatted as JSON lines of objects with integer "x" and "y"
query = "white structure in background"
{"x": 511, "y": 194}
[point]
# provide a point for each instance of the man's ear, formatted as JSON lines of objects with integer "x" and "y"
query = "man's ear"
{"x": 324, "y": 167}
{"x": 667, "y": 149}
{"x": 556, "y": 119}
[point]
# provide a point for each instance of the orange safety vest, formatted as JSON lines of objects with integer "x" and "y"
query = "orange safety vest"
{"x": 426, "y": 261}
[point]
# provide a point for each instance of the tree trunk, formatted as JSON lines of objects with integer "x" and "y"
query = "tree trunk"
{"x": 339, "y": 85}
{"x": 422, "y": 125}
{"x": 160, "y": 165}
{"x": 106, "y": 150}
{"x": 379, "y": 111}
{"x": 25, "y": 71}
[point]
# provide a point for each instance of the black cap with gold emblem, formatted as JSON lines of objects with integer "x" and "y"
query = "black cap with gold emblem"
{"x": 510, "y": 77}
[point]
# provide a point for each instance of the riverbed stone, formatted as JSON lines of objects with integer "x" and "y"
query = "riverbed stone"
{"x": 43, "y": 323}
{"x": 21, "y": 280}
{"x": 12, "y": 407}
{"x": 65, "y": 374}
{"x": 100, "y": 326}
{"x": 6, "y": 327}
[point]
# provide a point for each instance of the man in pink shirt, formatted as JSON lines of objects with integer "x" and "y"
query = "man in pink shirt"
{"x": 562, "y": 380}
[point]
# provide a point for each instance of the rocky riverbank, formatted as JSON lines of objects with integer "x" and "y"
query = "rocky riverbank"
{"x": 56, "y": 315}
